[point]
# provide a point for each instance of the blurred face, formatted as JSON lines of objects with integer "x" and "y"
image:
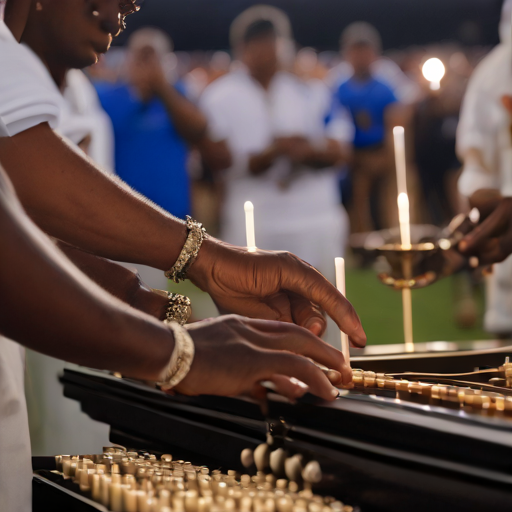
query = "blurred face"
{"x": 260, "y": 55}
{"x": 361, "y": 57}
{"x": 77, "y": 31}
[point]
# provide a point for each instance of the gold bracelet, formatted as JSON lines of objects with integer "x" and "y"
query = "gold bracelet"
{"x": 188, "y": 254}
{"x": 181, "y": 358}
{"x": 179, "y": 307}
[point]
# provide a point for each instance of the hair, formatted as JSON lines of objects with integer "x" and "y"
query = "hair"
{"x": 361, "y": 33}
{"x": 153, "y": 37}
{"x": 259, "y": 29}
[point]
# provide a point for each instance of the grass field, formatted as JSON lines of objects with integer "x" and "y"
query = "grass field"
{"x": 380, "y": 309}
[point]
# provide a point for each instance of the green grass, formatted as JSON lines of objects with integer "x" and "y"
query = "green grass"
{"x": 380, "y": 309}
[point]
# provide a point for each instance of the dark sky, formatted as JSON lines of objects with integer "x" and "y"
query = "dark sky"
{"x": 204, "y": 24}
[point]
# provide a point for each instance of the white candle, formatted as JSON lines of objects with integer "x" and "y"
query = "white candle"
{"x": 340, "y": 284}
{"x": 249, "y": 226}
{"x": 400, "y": 162}
{"x": 403, "y": 217}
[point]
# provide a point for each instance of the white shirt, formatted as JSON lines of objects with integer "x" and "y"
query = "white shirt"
{"x": 26, "y": 99}
{"x": 28, "y": 96}
{"x": 484, "y": 123}
{"x": 295, "y": 209}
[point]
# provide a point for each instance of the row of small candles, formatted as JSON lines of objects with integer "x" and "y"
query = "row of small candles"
{"x": 125, "y": 481}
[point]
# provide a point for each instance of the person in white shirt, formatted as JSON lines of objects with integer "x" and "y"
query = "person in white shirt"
{"x": 284, "y": 157}
{"x": 484, "y": 146}
{"x": 74, "y": 201}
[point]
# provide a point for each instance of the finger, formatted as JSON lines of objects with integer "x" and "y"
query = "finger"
{"x": 292, "y": 338}
{"x": 291, "y": 365}
{"x": 306, "y": 314}
{"x": 487, "y": 229}
{"x": 301, "y": 278}
{"x": 290, "y": 387}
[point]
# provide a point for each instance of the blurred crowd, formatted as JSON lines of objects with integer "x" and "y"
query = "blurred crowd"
{"x": 305, "y": 135}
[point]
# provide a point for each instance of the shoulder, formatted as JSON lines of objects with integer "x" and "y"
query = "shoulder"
{"x": 222, "y": 88}
{"x": 28, "y": 95}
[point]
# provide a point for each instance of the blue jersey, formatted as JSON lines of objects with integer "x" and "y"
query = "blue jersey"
{"x": 149, "y": 154}
{"x": 366, "y": 101}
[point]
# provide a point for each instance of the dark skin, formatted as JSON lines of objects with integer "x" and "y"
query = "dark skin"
{"x": 491, "y": 240}
{"x": 70, "y": 199}
{"x": 146, "y": 75}
{"x": 79, "y": 322}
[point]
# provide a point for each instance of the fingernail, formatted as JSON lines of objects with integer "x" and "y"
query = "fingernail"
{"x": 463, "y": 246}
{"x": 334, "y": 393}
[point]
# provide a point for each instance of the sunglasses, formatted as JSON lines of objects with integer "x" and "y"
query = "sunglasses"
{"x": 127, "y": 7}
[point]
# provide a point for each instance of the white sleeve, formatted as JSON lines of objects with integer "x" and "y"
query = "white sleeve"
{"x": 340, "y": 127}
{"x": 27, "y": 95}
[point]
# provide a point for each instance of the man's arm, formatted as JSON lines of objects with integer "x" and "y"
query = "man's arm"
{"x": 121, "y": 282}
{"x": 74, "y": 201}
{"x": 50, "y": 306}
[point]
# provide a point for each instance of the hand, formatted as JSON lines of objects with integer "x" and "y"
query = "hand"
{"x": 235, "y": 354}
{"x": 273, "y": 285}
{"x": 296, "y": 148}
{"x": 491, "y": 240}
{"x": 146, "y": 73}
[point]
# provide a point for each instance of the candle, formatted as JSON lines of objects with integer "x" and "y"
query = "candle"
{"x": 433, "y": 70}
{"x": 405, "y": 230}
{"x": 403, "y": 217}
{"x": 249, "y": 226}
{"x": 340, "y": 284}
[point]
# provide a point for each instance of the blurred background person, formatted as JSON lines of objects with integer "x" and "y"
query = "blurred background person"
{"x": 374, "y": 109}
{"x": 153, "y": 123}
{"x": 485, "y": 147}
{"x": 283, "y": 155}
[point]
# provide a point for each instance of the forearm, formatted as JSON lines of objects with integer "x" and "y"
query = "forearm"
{"x": 72, "y": 200}
{"x": 259, "y": 163}
{"x": 123, "y": 283}
{"x": 49, "y": 306}
{"x": 328, "y": 154}
{"x": 190, "y": 123}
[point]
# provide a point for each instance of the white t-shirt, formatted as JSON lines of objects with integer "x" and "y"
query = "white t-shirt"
{"x": 28, "y": 96}
{"x": 296, "y": 209}
{"x": 26, "y": 99}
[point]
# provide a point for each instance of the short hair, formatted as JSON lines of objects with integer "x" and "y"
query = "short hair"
{"x": 152, "y": 37}
{"x": 259, "y": 29}
{"x": 361, "y": 33}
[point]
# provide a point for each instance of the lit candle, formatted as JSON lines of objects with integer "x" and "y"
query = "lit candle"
{"x": 433, "y": 70}
{"x": 249, "y": 226}
{"x": 399, "y": 142}
{"x": 340, "y": 284}
{"x": 403, "y": 217}
{"x": 405, "y": 228}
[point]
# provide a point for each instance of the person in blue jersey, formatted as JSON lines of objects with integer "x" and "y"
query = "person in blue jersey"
{"x": 372, "y": 105}
{"x": 153, "y": 124}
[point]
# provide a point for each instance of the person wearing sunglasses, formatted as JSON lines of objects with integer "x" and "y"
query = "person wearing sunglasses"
{"x": 71, "y": 318}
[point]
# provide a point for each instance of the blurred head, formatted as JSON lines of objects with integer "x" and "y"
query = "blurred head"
{"x": 506, "y": 22}
{"x": 73, "y": 33}
{"x": 148, "y": 50}
{"x": 259, "y": 48}
{"x": 361, "y": 45}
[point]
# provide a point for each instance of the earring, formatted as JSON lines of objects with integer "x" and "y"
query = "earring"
{"x": 39, "y": 7}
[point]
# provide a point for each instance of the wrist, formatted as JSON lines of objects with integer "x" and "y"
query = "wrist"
{"x": 201, "y": 270}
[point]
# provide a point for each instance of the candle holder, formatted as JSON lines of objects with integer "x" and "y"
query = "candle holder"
{"x": 432, "y": 255}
